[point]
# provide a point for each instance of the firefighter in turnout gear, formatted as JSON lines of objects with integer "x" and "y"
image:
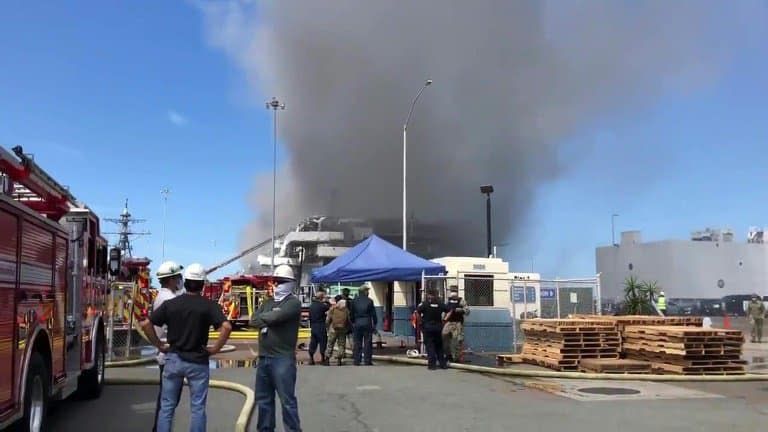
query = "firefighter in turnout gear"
{"x": 453, "y": 330}
{"x": 431, "y": 316}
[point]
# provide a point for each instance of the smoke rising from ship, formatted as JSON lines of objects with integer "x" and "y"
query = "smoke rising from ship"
{"x": 513, "y": 81}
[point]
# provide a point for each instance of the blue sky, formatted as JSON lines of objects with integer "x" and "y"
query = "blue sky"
{"x": 120, "y": 101}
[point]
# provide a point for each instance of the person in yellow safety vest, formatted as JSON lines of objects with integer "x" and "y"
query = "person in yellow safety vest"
{"x": 661, "y": 303}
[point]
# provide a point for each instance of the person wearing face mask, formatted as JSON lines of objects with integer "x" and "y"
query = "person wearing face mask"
{"x": 453, "y": 331}
{"x": 171, "y": 285}
{"x": 278, "y": 319}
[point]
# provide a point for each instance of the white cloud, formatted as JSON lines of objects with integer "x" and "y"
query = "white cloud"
{"x": 176, "y": 118}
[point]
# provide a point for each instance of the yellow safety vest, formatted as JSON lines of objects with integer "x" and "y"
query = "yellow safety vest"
{"x": 662, "y": 303}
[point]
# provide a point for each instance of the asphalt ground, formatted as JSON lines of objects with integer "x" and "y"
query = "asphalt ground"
{"x": 132, "y": 409}
{"x": 410, "y": 398}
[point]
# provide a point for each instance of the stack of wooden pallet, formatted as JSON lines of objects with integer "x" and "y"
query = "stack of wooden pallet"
{"x": 685, "y": 350}
{"x": 561, "y": 343}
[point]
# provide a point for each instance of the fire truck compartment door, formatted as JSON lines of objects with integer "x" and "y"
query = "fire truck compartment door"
{"x": 74, "y": 317}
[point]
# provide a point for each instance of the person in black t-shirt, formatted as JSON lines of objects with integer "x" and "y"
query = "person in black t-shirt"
{"x": 189, "y": 318}
{"x": 430, "y": 313}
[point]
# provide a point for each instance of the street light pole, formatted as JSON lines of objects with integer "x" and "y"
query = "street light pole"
{"x": 613, "y": 229}
{"x": 488, "y": 190}
{"x": 164, "y": 192}
{"x": 274, "y": 104}
{"x": 405, "y": 164}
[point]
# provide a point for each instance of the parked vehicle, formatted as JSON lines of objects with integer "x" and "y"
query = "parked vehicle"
{"x": 53, "y": 282}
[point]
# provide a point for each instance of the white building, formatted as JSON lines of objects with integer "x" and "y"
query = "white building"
{"x": 516, "y": 292}
{"x": 709, "y": 265}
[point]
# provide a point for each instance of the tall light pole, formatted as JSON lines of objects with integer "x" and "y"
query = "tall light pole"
{"x": 405, "y": 163}
{"x": 164, "y": 192}
{"x": 274, "y": 104}
{"x": 613, "y": 229}
{"x": 488, "y": 190}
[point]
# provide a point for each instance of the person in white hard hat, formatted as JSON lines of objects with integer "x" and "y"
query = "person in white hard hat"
{"x": 171, "y": 285}
{"x": 278, "y": 319}
{"x": 189, "y": 318}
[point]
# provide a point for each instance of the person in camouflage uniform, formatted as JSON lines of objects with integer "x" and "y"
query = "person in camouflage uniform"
{"x": 453, "y": 331}
{"x": 756, "y": 313}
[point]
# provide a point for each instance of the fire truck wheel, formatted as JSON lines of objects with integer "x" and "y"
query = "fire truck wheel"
{"x": 36, "y": 395}
{"x": 91, "y": 381}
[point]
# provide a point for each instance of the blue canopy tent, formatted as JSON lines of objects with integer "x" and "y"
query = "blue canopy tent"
{"x": 375, "y": 259}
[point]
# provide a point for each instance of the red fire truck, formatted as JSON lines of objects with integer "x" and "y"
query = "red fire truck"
{"x": 53, "y": 281}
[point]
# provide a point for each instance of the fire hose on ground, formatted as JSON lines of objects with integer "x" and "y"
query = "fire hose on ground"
{"x": 241, "y": 424}
{"x": 523, "y": 373}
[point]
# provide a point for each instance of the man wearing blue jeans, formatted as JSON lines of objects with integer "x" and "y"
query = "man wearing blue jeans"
{"x": 188, "y": 318}
{"x": 278, "y": 320}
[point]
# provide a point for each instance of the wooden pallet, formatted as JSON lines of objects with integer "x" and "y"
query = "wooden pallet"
{"x": 560, "y": 365}
{"x": 615, "y": 366}
{"x": 681, "y": 331}
{"x": 602, "y": 365}
{"x": 665, "y": 368}
{"x": 503, "y": 359}
{"x": 624, "y": 320}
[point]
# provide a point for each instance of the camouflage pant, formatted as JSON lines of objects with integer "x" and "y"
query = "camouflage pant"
{"x": 757, "y": 329}
{"x": 339, "y": 338}
{"x": 453, "y": 336}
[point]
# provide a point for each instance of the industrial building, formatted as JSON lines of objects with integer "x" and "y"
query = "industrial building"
{"x": 709, "y": 265}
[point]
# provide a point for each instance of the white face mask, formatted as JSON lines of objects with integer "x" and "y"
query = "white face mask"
{"x": 180, "y": 286}
{"x": 283, "y": 290}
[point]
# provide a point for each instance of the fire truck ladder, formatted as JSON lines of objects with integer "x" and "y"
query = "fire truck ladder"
{"x": 243, "y": 253}
{"x": 24, "y": 181}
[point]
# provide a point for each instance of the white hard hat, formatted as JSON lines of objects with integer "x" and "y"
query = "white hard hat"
{"x": 195, "y": 272}
{"x": 284, "y": 271}
{"x": 168, "y": 269}
{"x": 661, "y": 293}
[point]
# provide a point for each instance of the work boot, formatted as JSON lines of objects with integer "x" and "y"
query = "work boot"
{"x": 311, "y": 361}
{"x": 326, "y": 362}
{"x": 340, "y": 362}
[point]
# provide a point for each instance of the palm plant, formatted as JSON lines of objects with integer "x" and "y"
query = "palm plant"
{"x": 639, "y": 296}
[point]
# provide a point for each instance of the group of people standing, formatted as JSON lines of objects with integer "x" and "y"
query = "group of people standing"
{"x": 179, "y": 326}
{"x": 442, "y": 324}
{"x": 181, "y": 319}
{"x": 332, "y": 323}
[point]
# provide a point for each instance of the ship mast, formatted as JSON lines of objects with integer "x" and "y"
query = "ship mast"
{"x": 125, "y": 221}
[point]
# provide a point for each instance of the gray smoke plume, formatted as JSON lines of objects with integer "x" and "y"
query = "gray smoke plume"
{"x": 513, "y": 81}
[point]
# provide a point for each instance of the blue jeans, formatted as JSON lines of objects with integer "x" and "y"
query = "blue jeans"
{"x": 174, "y": 372}
{"x": 277, "y": 374}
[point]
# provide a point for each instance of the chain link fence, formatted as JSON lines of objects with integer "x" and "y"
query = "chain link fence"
{"x": 499, "y": 303}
